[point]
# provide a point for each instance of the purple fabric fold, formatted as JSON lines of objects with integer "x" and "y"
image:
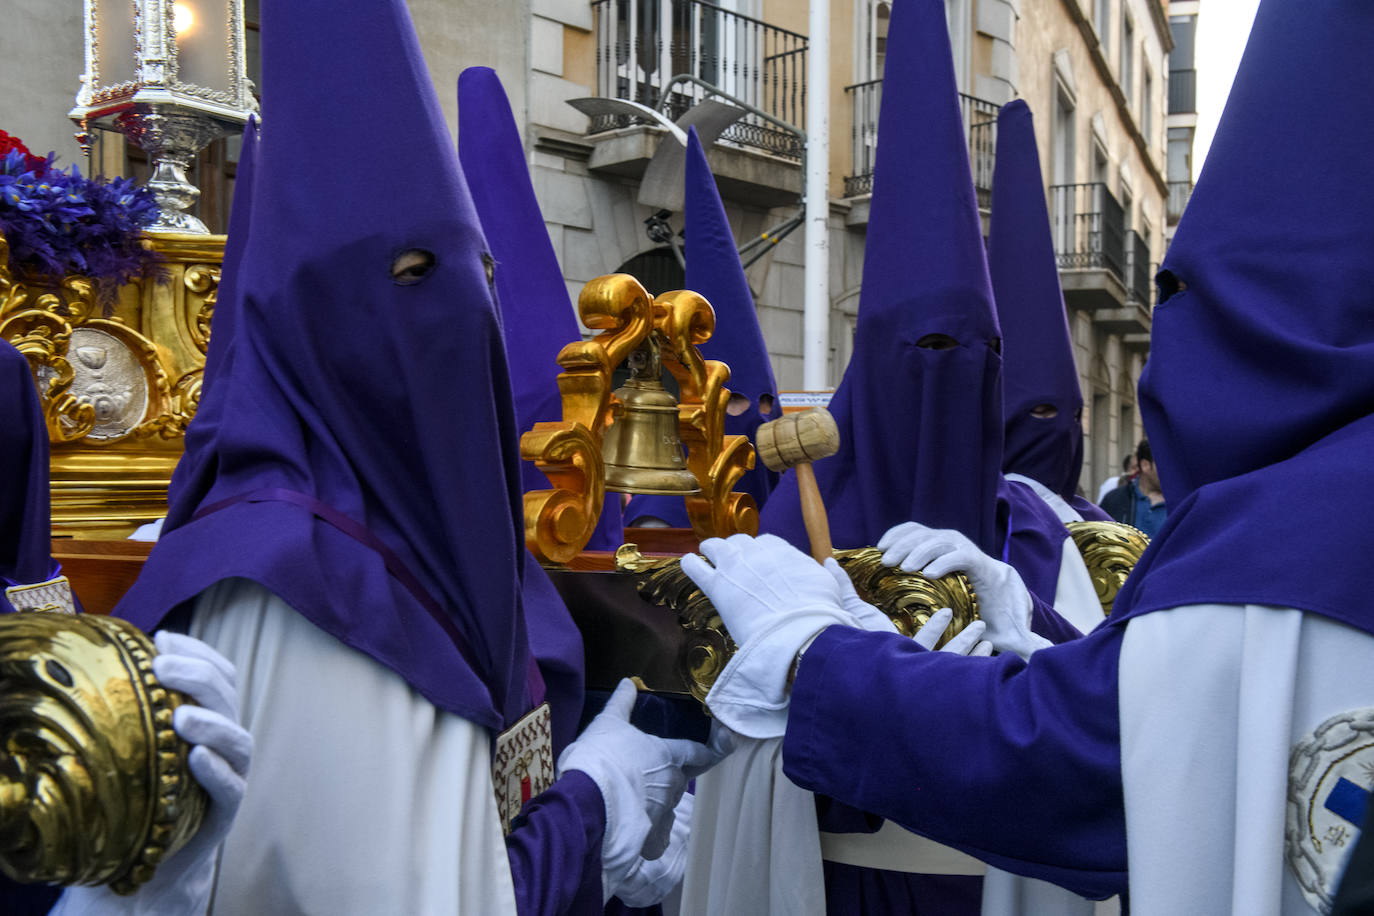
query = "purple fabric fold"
{"x": 554, "y": 849}
{"x": 941, "y": 768}
{"x": 1256, "y": 397}
{"x": 337, "y": 379}
{"x": 25, "y": 516}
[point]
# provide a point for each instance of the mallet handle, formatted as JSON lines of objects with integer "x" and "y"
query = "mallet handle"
{"x": 813, "y": 512}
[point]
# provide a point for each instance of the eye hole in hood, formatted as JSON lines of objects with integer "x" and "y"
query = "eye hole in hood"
{"x": 411, "y": 266}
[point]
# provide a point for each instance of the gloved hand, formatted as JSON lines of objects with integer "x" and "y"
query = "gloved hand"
{"x": 219, "y": 762}
{"x": 641, "y": 778}
{"x": 650, "y": 880}
{"x": 967, "y": 641}
{"x": 865, "y": 615}
{"x": 1003, "y": 601}
{"x": 774, "y": 600}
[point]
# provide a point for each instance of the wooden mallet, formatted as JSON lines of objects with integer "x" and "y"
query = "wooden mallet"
{"x": 794, "y": 442}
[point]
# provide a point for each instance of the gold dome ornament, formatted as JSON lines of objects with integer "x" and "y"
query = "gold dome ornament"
{"x": 94, "y": 783}
{"x": 1110, "y": 551}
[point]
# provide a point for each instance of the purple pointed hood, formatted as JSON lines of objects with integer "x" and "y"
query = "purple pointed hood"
{"x": 920, "y": 406}
{"x": 715, "y": 271}
{"x": 1257, "y": 395}
{"x": 365, "y": 457}
{"x": 1037, "y": 356}
{"x": 531, "y": 294}
{"x": 25, "y": 520}
{"x": 195, "y": 472}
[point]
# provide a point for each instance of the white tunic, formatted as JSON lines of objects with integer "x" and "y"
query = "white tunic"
{"x": 1204, "y": 822}
{"x": 363, "y": 796}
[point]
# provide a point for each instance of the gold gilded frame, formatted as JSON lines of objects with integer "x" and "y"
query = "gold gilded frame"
{"x": 559, "y": 521}
{"x": 105, "y": 487}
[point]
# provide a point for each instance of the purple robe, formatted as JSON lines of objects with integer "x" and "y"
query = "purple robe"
{"x": 715, "y": 271}
{"x": 333, "y": 464}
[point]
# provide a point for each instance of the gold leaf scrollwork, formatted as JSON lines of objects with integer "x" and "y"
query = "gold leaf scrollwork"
{"x": 686, "y": 320}
{"x": 908, "y": 599}
{"x": 203, "y": 281}
{"x": 1110, "y": 551}
{"x": 43, "y": 338}
{"x": 560, "y": 521}
{"x": 620, "y": 308}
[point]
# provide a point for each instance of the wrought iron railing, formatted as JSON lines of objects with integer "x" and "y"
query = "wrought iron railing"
{"x": 1138, "y": 272}
{"x": 1179, "y": 192}
{"x": 1182, "y": 91}
{"x": 641, "y": 45}
{"x": 1089, "y": 227}
{"x": 980, "y": 126}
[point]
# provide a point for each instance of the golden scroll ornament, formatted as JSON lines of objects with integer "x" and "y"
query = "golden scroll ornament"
{"x": 908, "y": 599}
{"x": 94, "y": 784}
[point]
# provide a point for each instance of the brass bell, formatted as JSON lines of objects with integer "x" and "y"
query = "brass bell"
{"x": 642, "y": 451}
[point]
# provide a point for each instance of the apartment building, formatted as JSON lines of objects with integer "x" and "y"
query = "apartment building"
{"x": 1096, "y": 73}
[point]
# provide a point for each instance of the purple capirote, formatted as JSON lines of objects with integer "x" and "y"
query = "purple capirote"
{"x": 532, "y": 298}
{"x": 1037, "y": 352}
{"x": 715, "y": 271}
{"x": 1257, "y": 394}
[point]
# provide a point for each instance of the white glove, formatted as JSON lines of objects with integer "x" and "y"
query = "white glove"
{"x": 865, "y": 615}
{"x": 774, "y": 600}
{"x": 650, "y": 880}
{"x": 1003, "y": 601}
{"x": 219, "y": 762}
{"x": 967, "y": 641}
{"x": 641, "y": 777}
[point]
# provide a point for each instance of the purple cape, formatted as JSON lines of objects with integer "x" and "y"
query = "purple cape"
{"x": 363, "y": 465}
{"x": 920, "y": 406}
{"x": 715, "y": 271}
{"x": 530, "y": 292}
{"x": 1037, "y": 353}
{"x": 1257, "y": 396}
{"x": 25, "y": 516}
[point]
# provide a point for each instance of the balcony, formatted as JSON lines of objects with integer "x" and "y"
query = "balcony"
{"x": 980, "y": 126}
{"x": 654, "y": 52}
{"x": 1179, "y": 192}
{"x": 1182, "y": 92}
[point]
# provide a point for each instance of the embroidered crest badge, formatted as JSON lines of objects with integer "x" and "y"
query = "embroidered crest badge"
{"x": 1330, "y": 777}
{"x": 522, "y": 765}
{"x": 52, "y": 595}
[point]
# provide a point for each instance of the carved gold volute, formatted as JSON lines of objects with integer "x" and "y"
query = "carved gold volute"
{"x": 118, "y": 379}
{"x": 560, "y": 521}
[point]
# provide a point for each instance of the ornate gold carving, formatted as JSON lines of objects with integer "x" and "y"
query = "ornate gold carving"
{"x": 94, "y": 786}
{"x": 560, "y": 521}
{"x": 117, "y": 386}
{"x": 909, "y": 599}
{"x": 1110, "y": 551}
{"x": 686, "y": 320}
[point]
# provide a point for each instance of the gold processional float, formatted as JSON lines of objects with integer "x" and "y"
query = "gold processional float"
{"x": 94, "y": 787}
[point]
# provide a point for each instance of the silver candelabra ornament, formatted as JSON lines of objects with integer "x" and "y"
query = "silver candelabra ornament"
{"x": 172, "y": 76}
